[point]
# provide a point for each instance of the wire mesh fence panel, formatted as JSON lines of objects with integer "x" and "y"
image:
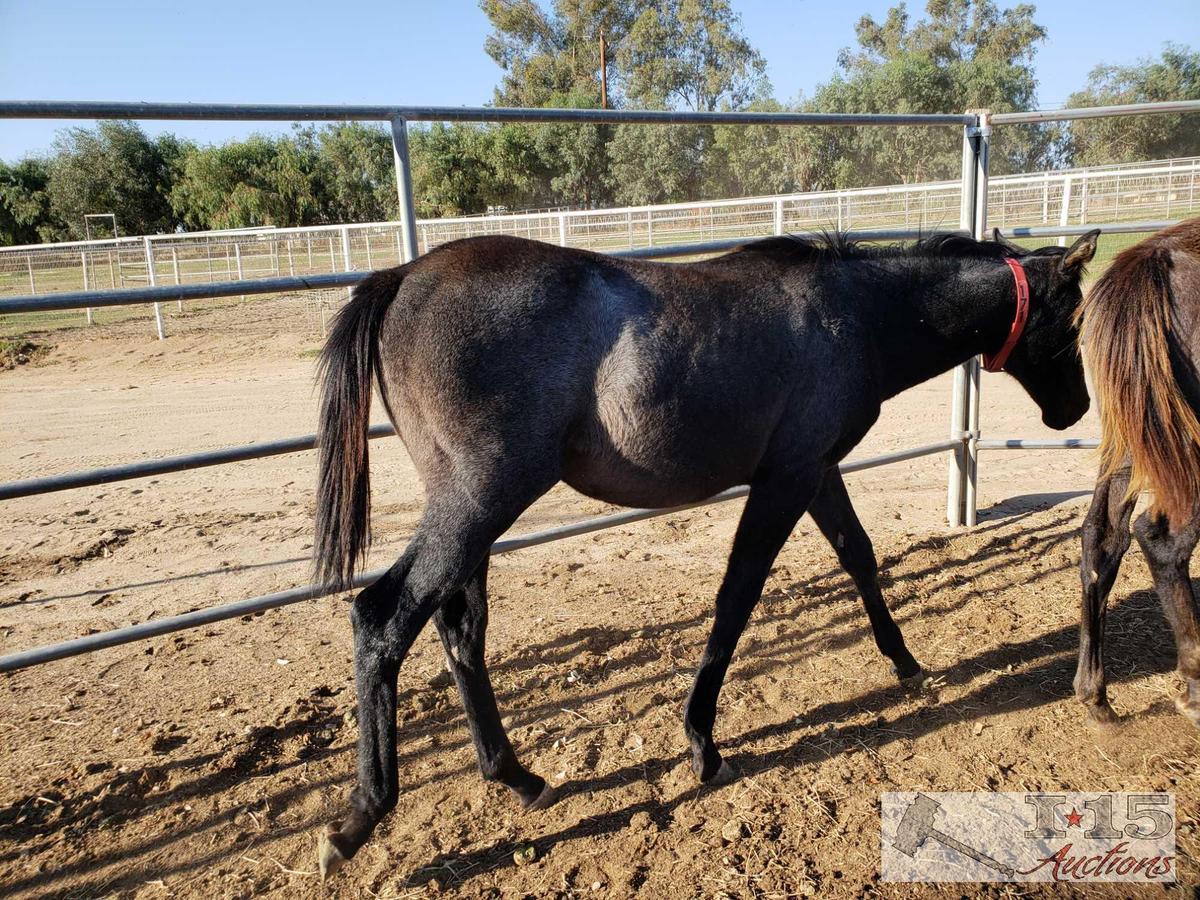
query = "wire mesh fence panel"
{"x": 1129, "y": 192}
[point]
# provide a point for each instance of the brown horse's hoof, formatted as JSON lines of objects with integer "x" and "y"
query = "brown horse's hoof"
{"x": 329, "y": 857}
{"x": 547, "y": 797}
{"x": 1189, "y": 707}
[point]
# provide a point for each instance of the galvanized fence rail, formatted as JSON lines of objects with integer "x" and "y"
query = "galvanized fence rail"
{"x": 1152, "y": 189}
{"x": 963, "y": 440}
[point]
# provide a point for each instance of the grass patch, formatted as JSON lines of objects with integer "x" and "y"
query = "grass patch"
{"x": 20, "y": 352}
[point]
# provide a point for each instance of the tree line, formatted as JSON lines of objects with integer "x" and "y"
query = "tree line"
{"x": 681, "y": 54}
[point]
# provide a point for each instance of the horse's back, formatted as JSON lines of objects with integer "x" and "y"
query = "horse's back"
{"x": 648, "y": 384}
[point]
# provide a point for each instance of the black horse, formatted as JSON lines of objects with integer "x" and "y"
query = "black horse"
{"x": 509, "y": 365}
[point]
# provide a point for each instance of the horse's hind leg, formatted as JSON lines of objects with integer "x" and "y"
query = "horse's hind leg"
{"x": 462, "y": 624}
{"x": 452, "y": 541}
{"x": 1168, "y": 552}
{"x": 1105, "y": 540}
{"x": 832, "y": 511}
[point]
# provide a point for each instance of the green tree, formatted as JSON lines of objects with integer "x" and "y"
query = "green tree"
{"x": 355, "y": 172}
{"x": 750, "y": 160}
{"x": 262, "y": 180}
{"x": 450, "y": 175}
{"x": 25, "y": 203}
{"x": 690, "y": 54}
{"x": 676, "y": 53}
{"x": 551, "y": 52}
{"x": 967, "y": 54}
{"x": 114, "y": 168}
{"x": 574, "y": 156}
{"x": 1174, "y": 76}
{"x": 658, "y": 163}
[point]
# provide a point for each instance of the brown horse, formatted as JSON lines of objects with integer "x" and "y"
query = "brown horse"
{"x": 1141, "y": 333}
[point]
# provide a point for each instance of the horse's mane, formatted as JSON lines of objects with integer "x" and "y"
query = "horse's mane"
{"x": 837, "y": 245}
{"x": 1142, "y": 370}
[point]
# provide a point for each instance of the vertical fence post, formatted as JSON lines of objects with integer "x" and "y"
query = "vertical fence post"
{"x": 979, "y": 231}
{"x": 956, "y": 486}
{"x": 29, "y": 263}
{"x": 562, "y": 229}
{"x": 779, "y": 215}
{"x": 1064, "y": 211}
{"x": 175, "y": 268}
{"x": 408, "y": 213}
{"x": 152, "y": 281}
{"x": 237, "y": 253}
{"x": 86, "y": 282}
{"x": 347, "y": 259}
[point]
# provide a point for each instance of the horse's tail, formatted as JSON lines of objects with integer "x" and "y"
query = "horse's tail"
{"x": 1134, "y": 357}
{"x": 349, "y": 362}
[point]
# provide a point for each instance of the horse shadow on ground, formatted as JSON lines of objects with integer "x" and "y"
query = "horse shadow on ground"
{"x": 1043, "y": 669}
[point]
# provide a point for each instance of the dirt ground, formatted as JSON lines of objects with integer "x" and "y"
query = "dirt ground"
{"x": 202, "y": 764}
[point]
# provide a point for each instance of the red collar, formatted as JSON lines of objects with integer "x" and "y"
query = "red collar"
{"x": 994, "y": 362}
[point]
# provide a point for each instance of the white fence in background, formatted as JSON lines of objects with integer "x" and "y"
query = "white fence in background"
{"x": 1163, "y": 189}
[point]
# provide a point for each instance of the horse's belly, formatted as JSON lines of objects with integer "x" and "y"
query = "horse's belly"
{"x": 658, "y": 465}
{"x": 626, "y": 485}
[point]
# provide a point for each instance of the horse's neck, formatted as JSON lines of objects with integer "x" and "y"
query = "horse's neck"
{"x": 944, "y": 312}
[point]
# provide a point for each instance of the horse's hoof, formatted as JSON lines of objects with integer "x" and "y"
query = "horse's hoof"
{"x": 329, "y": 857}
{"x": 725, "y": 774}
{"x": 546, "y": 798}
{"x": 1102, "y": 715}
{"x": 915, "y": 683}
{"x": 1189, "y": 707}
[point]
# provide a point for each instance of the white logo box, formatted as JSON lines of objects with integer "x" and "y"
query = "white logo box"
{"x": 1073, "y": 837}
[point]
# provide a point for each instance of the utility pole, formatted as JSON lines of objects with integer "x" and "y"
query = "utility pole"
{"x": 603, "y": 73}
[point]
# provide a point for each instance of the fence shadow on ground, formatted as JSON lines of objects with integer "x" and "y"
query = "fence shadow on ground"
{"x": 1043, "y": 669}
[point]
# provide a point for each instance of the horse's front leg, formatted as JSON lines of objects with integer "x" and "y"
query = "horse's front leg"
{"x": 832, "y": 511}
{"x": 775, "y": 504}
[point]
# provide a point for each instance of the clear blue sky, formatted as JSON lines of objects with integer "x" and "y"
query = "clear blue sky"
{"x": 402, "y": 51}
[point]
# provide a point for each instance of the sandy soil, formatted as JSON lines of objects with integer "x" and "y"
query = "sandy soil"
{"x": 199, "y": 765}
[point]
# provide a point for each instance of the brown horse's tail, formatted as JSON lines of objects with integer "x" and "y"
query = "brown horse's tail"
{"x": 1134, "y": 359}
{"x": 348, "y": 364}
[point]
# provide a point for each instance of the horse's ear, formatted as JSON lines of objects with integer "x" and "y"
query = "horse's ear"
{"x": 1081, "y": 252}
{"x": 998, "y": 238}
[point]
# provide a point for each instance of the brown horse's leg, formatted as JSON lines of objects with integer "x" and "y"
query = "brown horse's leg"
{"x": 1168, "y": 552}
{"x": 774, "y": 506}
{"x": 834, "y": 515}
{"x": 462, "y": 624}
{"x": 1105, "y": 540}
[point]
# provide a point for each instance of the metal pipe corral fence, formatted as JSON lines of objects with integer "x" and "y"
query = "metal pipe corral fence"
{"x": 48, "y": 653}
{"x": 964, "y": 438}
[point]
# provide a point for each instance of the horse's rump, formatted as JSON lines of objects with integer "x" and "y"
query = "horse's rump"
{"x": 1144, "y": 368}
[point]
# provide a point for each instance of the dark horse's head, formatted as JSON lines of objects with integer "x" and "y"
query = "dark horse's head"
{"x": 1046, "y": 360}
